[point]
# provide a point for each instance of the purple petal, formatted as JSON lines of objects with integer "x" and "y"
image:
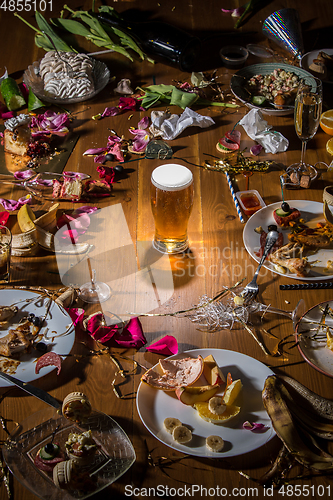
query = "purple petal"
{"x": 143, "y": 123}
{"x": 256, "y": 149}
{"x": 112, "y": 111}
{"x": 24, "y": 174}
{"x": 75, "y": 175}
{"x": 15, "y": 205}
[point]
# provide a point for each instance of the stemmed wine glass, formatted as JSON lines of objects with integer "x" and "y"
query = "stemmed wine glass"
{"x": 308, "y": 106}
{"x": 94, "y": 291}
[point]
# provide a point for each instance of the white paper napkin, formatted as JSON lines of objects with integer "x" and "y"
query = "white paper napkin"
{"x": 257, "y": 129}
{"x": 169, "y": 126}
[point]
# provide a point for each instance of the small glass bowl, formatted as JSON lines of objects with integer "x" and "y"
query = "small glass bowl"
{"x": 234, "y": 56}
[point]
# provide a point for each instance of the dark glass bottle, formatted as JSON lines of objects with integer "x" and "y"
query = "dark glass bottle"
{"x": 162, "y": 41}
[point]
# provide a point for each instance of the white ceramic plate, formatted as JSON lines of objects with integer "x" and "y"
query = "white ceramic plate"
{"x": 315, "y": 350}
{"x": 312, "y": 212}
{"x": 309, "y": 57}
{"x": 155, "y": 405}
{"x": 58, "y": 330}
{"x": 239, "y": 79}
{"x": 115, "y": 454}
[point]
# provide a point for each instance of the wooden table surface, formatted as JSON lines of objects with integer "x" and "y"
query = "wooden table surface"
{"x": 217, "y": 259}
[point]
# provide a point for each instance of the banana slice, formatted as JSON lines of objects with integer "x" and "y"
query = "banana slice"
{"x": 170, "y": 423}
{"x": 214, "y": 443}
{"x": 182, "y": 434}
{"x": 216, "y": 405}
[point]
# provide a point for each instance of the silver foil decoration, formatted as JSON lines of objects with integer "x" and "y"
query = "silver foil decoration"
{"x": 284, "y": 27}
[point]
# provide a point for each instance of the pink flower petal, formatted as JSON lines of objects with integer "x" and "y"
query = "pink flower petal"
{"x": 76, "y": 314}
{"x": 4, "y": 216}
{"x": 94, "y": 151}
{"x": 168, "y": 345}
{"x": 234, "y": 12}
{"x": 129, "y": 336}
{"x": 254, "y": 426}
{"x": 15, "y": 205}
{"x": 132, "y": 335}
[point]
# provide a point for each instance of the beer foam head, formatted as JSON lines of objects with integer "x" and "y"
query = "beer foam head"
{"x": 171, "y": 177}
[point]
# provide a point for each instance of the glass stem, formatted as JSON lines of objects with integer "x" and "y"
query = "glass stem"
{"x": 303, "y": 166}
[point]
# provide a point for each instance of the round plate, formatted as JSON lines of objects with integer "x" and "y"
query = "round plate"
{"x": 58, "y": 332}
{"x": 315, "y": 351}
{"x": 308, "y": 58}
{"x": 312, "y": 212}
{"x": 31, "y": 78}
{"x": 239, "y": 79}
{"x": 155, "y": 405}
{"x": 115, "y": 454}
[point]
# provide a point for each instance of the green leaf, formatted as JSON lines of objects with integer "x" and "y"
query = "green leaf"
{"x": 93, "y": 23}
{"x": 72, "y": 26}
{"x": 160, "y": 89}
{"x": 45, "y": 27}
{"x": 150, "y": 99}
{"x": 183, "y": 99}
{"x": 33, "y": 101}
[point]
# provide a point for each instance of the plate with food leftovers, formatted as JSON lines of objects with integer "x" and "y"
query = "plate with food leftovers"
{"x": 319, "y": 63}
{"x": 39, "y": 454}
{"x": 314, "y": 336}
{"x": 269, "y": 87}
{"x": 243, "y": 426}
{"x": 31, "y": 324}
{"x": 305, "y": 250}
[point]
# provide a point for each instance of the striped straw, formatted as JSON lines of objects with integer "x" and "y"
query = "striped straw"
{"x": 239, "y": 212}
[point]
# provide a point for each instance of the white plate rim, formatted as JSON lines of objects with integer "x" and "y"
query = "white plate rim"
{"x": 259, "y": 219}
{"x": 319, "y": 363}
{"x": 227, "y": 431}
{"x": 61, "y": 344}
{"x": 307, "y": 60}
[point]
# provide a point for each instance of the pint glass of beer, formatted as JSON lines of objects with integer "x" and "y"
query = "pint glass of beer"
{"x": 171, "y": 195}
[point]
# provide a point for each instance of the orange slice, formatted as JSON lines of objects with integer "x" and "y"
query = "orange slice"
{"x": 329, "y": 146}
{"x": 232, "y": 392}
{"x": 204, "y": 412}
{"x": 326, "y": 121}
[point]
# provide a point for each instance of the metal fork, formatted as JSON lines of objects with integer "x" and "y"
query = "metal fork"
{"x": 251, "y": 290}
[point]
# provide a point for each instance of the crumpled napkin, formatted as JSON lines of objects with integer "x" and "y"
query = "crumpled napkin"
{"x": 169, "y": 126}
{"x": 258, "y": 130}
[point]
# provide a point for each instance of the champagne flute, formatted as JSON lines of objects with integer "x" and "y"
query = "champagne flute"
{"x": 308, "y": 106}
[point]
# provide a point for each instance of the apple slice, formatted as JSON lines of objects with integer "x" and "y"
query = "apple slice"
{"x": 195, "y": 394}
{"x": 212, "y": 371}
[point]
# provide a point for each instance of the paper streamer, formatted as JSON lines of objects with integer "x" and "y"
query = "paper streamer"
{"x": 238, "y": 208}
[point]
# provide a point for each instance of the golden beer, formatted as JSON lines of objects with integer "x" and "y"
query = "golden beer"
{"x": 171, "y": 195}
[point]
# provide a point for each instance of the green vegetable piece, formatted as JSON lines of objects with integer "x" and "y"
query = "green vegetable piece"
{"x": 258, "y": 100}
{"x": 12, "y": 95}
{"x": 183, "y": 99}
{"x": 44, "y": 455}
{"x": 282, "y": 213}
{"x": 33, "y": 101}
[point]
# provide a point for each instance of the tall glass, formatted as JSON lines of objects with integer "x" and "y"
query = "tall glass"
{"x": 308, "y": 106}
{"x": 5, "y": 253}
{"x": 171, "y": 195}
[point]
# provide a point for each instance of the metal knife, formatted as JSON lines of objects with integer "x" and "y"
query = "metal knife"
{"x": 33, "y": 391}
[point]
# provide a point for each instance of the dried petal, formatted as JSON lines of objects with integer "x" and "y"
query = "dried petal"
{"x": 256, "y": 149}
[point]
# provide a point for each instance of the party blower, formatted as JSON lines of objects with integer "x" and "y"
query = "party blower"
{"x": 284, "y": 28}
